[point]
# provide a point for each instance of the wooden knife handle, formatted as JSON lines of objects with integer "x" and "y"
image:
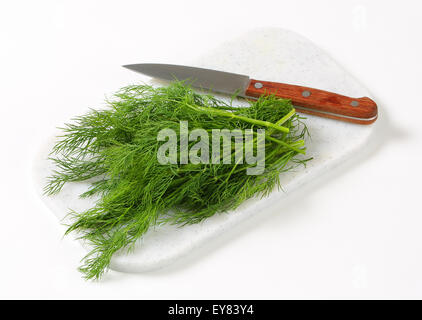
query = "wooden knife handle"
{"x": 318, "y": 102}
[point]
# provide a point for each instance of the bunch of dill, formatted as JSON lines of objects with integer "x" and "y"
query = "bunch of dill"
{"x": 118, "y": 146}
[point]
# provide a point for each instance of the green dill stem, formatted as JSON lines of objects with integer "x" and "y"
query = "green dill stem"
{"x": 242, "y": 118}
{"x": 285, "y": 144}
{"x": 286, "y": 117}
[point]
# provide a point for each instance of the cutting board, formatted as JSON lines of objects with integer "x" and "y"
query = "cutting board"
{"x": 270, "y": 54}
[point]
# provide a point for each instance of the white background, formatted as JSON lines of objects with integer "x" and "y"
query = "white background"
{"x": 356, "y": 231}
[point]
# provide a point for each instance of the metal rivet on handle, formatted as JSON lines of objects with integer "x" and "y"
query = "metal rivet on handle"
{"x": 306, "y": 93}
{"x": 258, "y": 85}
{"x": 354, "y": 103}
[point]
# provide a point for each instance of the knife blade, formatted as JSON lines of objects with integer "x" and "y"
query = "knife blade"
{"x": 305, "y": 99}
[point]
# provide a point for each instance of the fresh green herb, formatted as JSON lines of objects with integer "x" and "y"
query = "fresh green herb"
{"x": 118, "y": 147}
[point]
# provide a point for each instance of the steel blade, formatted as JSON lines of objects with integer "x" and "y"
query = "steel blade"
{"x": 214, "y": 80}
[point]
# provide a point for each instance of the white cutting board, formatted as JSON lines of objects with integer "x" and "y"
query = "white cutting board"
{"x": 266, "y": 54}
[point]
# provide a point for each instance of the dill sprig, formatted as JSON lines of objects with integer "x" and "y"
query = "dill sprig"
{"x": 118, "y": 146}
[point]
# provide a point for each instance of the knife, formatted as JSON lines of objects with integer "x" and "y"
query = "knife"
{"x": 306, "y": 100}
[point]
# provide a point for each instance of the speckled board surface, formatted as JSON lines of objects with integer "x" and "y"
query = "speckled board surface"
{"x": 266, "y": 54}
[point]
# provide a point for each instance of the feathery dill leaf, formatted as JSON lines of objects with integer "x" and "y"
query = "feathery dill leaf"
{"x": 119, "y": 146}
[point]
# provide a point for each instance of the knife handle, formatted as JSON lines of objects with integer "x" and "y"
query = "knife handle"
{"x": 318, "y": 102}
